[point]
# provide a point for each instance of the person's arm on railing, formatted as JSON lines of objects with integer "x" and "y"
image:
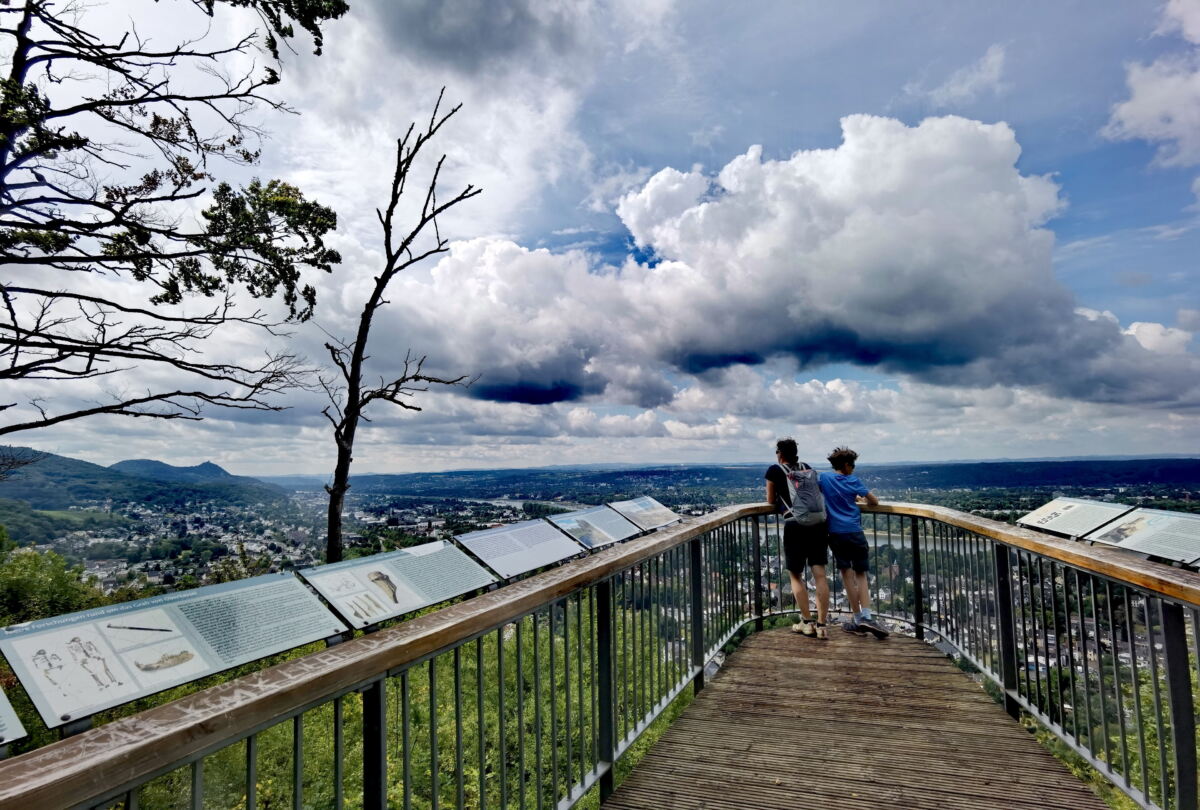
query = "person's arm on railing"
{"x": 870, "y": 499}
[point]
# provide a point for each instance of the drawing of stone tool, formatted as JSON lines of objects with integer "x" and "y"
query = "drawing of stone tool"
{"x": 384, "y": 583}
{"x": 112, "y": 626}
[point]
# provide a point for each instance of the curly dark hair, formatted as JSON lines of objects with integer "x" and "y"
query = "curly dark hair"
{"x": 841, "y": 456}
{"x": 787, "y": 448}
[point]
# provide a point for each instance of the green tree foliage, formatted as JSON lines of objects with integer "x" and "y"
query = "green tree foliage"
{"x": 107, "y": 145}
{"x": 34, "y": 585}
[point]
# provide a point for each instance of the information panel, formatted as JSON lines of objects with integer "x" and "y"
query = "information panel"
{"x": 646, "y": 512}
{"x": 1073, "y": 517}
{"x": 370, "y": 589}
{"x": 594, "y": 527}
{"x": 1170, "y": 535}
{"x": 76, "y": 665}
{"x": 521, "y": 547}
{"x": 11, "y": 729}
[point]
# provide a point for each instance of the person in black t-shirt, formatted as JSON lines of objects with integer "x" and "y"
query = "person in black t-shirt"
{"x": 802, "y": 545}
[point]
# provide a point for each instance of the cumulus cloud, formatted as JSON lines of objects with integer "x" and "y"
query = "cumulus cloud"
{"x": 968, "y": 83}
{"x": 1164, "y": 96}
{"x": 1182, "y": 16}
{"x": 919, "y": 251}
{"x": 1155, "y": 337}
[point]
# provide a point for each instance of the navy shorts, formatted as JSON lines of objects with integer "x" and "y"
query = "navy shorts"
{"x": 850, "y": 550}
{"x": 804, "y": 545}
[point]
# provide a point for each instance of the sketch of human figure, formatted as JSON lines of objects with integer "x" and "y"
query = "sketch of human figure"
{"x": 88, "y": 657}
{"x": 49, "y": 665}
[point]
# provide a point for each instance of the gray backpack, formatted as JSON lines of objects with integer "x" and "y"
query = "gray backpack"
{"x": 808, "y": 504}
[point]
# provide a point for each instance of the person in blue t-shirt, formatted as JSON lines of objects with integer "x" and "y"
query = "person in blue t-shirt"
{"x": 847, "y": 541}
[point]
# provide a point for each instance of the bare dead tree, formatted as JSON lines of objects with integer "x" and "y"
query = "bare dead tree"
{"x": 107, "y": 146}
{"x": 349, "y": 394}
{"x": 14, "y": 458}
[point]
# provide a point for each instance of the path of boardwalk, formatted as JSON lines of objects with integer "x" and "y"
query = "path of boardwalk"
{"x": 791, "y": 722}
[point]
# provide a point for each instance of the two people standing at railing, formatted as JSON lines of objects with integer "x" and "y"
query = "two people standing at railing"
{"x": 821, "y": 512}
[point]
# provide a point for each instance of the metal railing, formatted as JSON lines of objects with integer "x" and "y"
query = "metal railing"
{"x": 528, "y": 696}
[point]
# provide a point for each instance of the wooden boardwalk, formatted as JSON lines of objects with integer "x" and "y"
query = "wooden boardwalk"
{"x": 791, "y": 722}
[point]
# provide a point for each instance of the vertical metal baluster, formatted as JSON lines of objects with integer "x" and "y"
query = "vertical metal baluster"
{"x": 1087, "y": 675}
{"x": 1070, "y": 636}
{"x": 520, "y": 639}
{"x": 554, "y": 791}
{"x": 1163, "y": 796}
{"x": 1051, "y": 699}
{"x": 1137, "y": 692}
{"x": 251, "y": 773}
{"x": 537, "y": 709}
{"x": 1182, "y": 706}
{"x": 757, "y": 572}
{"x": 406, "y": 739}
{"x": 918, "y": 609}
{"x": 1118, "y": 698}
{"x": 198, "y": 784}
{"x": 969, "y": 615}
{"x": 459, "y": 775}
{"x": 1100, "y": 671}
{"x": 593, "y": 641}
{"x": 374, "y": 699}
{"x": 697, "y": 611}
{"x": 635, "y": 673}
{"x": 645, "y": 646}
{"x": 605, "y": 733}
{"x": 873, "y": 562}
{"x": 569, "y": 770}
{"x": 298, "y": 762}
{"x": 480, "y": 716}
{"x": 964, "y": 567}
{"x": 1035, "y": 623}
{"x": 581, "y": 714}
{"x": 982, "y": 592}
{"x": 655, "y": 627}
{"x": 435, "y": 789}
{"x": 502, "y": 716}
{"x": 1030, "y": 693}
{"x": 1002, "y": 564}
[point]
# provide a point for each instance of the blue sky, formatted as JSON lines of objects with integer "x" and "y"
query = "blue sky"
{"x": 926, "y": 229}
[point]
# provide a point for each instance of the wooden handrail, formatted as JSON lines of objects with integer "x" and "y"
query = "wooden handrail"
{"x": 1156, "y": 578}
{"x": 129, "y": 750}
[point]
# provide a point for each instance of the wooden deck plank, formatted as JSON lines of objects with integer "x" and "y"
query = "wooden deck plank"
{"x": 849, "y": 723}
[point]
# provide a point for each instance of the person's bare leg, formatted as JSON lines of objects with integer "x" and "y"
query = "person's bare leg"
{"x": 850, "y": 582}
{"x": 800, "y": 594}
{"x": 864, "y": 592}
{"x": 821, "y": 586}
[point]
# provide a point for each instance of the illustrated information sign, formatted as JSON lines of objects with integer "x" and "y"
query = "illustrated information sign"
{"x": 11, "y": 729}
{"x": 521, "y": 547}
{"x": 370, "y": 589}
{"x": 646, "y": 512}
{"x": 1170, "y": 535}
{"x": 1073, "y": 517}
{"x": 76, "y": 665}
{"x": 597, "y": 526}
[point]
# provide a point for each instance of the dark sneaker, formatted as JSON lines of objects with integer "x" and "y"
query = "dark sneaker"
{"x": 850, "y": 626}
{"x": 873, "y": 627}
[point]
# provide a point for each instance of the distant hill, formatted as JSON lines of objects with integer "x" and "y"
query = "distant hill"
{"x": 611, "y": 484}
{"x": 160, "y": 471}
{"x": 58, "y": 482}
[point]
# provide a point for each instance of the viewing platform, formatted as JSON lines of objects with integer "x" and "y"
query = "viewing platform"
{"x": 849, "y": 723}
{"x": 536, "y": 694}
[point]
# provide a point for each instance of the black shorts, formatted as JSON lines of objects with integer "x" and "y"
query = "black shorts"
{"x": 850, "y": 550}
{"x": 804, "y": 545}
